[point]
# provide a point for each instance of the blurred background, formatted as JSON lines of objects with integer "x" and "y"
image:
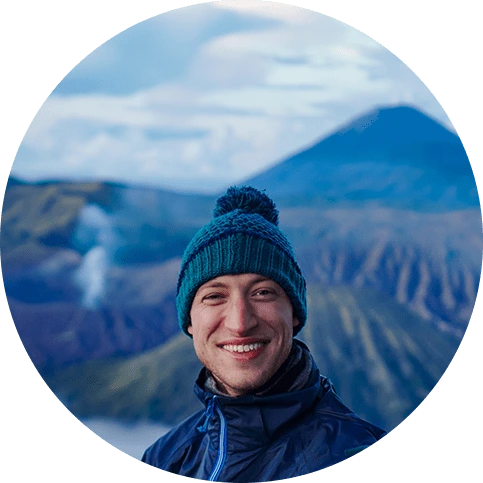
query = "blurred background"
{"x": 122, "y": 165}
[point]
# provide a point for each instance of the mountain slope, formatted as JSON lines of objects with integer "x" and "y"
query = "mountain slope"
{"x": 382, "y": 358}
{"x": 395, "y": 157}
{"x": 40, "y": 219}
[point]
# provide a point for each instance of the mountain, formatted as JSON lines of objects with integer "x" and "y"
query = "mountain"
{"x": 374, "y": 350}
{"x": 143, "y": 386}
{"x": 391, "y": 157}
{"x": 382, "y": 357}
{"x": 138, "y": 314}
{"x": 38, "y": 219}
{"x": 45, "y": 219}
{"x": 430, "y": 262}
{"x": 59, "y": 334}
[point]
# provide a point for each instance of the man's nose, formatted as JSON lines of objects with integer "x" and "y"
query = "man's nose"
{"x": 240, "y": 318}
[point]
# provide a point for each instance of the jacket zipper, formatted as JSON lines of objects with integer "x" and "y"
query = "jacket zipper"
{"x": 220, "y": 460}
{"x": 208, "y": 415}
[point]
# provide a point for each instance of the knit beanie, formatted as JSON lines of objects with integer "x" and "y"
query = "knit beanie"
{"x": 242, "y": 237}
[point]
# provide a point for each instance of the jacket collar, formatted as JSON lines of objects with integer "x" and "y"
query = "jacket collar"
{"x": 252, "y": 420}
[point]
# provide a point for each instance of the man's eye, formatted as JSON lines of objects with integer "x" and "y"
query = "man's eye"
{"x": 265, "y": 293}
{"x": 212, "y": 297}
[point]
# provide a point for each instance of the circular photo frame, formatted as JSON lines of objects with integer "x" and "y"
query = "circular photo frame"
{"x": 124, "y": 162}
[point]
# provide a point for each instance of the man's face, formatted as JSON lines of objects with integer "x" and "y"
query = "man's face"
{"x": 242, "y": 328}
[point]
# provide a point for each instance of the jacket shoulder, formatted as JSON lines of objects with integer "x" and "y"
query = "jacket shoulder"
{"x": 344, "y": 431}
{"x": 167, "y": 452}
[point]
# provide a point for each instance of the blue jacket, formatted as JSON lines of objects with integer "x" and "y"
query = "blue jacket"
{"x": 254, "y": 439}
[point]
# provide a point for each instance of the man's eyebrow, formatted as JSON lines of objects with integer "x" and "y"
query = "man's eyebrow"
{"x": 217, "y": 284}
{"x": 261, "y": 278}
{"x": 213, "y": 285}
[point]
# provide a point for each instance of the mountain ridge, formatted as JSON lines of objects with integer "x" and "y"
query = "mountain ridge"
{"x": 396, "y": 157}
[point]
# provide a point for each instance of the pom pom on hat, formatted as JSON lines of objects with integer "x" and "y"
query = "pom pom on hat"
{"x": 249, "y": 200}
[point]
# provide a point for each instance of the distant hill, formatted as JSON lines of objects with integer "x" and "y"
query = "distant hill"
{"x": 41, "y": 219}
{"x": 38, "y": 219}
{"x": 392, "y": 157}
{"x": 138, "y": 314}
{"x": 143, "y": 386}
{"x": 382, "y": 357}
{"x": 430, "y": 262}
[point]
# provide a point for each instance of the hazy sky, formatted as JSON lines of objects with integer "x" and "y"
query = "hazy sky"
{"x": 208, "y": 95}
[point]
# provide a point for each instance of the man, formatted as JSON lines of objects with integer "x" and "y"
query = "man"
{"x": 269, "y": 414}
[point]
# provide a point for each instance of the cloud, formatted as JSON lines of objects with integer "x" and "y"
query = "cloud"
{"x": 209, "y": 95}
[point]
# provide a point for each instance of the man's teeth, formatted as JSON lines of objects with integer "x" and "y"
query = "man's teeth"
{"x": 243, "y": 348}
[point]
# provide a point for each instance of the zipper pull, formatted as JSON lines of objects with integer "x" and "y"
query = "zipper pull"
{"x": 210, "y": 411}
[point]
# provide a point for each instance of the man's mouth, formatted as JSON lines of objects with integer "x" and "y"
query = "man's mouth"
{"x": 241, "y": 348}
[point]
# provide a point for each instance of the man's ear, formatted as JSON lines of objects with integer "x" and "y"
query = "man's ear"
{"x": 190, "y": 329}
{"x": 295, "y": 322}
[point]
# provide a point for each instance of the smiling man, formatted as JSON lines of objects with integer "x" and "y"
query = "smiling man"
{"x": 269, "y": 414}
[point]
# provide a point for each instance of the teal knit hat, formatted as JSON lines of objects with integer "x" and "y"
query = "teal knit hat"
{"x": 243, "y": 237}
